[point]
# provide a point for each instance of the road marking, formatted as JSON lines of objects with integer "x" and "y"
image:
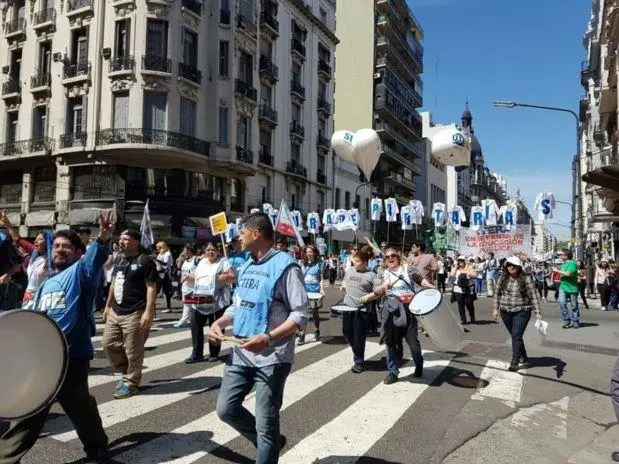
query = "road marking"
{"x": 541, "y": 416}
{"x": 176, "y": 446}
{"x": 359, "y": 427}
{"x": 503, "y": 385}
{"x": 117, "y": 411}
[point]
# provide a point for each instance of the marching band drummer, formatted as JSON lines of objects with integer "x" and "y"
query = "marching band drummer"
{"x": 398, "y": 282}
{"x": 358, "y": 285}
{"x": 312, "y": 267}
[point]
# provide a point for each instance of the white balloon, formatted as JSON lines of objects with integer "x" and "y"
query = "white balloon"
{"x": 341, "y": 141}
{"x": 366, "y": 150}
{"x": 451, "y": 147}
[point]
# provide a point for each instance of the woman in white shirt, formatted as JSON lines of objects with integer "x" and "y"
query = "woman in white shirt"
{"x": 164, "y": 263}
{"x": 463, "y": 292}
{"x": 191, "y": 259}
{"x": 212, "y": 280}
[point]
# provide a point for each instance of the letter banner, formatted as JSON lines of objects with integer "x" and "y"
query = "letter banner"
{"x": 496, "y": 239}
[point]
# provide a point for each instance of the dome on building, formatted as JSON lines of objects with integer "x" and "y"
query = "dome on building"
{"x": 476, "y": 152}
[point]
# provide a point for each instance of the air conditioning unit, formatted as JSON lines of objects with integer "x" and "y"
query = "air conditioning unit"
{"x": 106, "y": 52}
{"x": 5, "y": 69}
{"x": 57, "y": 57}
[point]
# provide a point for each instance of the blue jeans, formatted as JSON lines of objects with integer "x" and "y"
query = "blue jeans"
{"x": 614, "y": 300}
{"x": 412, "y": 339}
{"x": 354, "y": 329}
{"x": 573, "y": 298}
{"x": 516, "y": 323}
{"x": 479, "y": 285}
{"x": 263, "y": 429}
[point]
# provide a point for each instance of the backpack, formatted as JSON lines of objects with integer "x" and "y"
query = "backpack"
{"x": 464, "y": 282}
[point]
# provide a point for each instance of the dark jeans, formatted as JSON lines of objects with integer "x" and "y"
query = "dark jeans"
{"x": 516, "y": 323}
{"x": 395, "y": 354}
{"x": 19, "y": 436}
{"x": 263, "y": 428}
{"x": 166, "y": 289}
{"x": 440, "y": 282}
{"x": 604, "y": 291}
{"x": 354, "y": 328}
{"x": 465, "y": 301}
{"x": 582, "y": 286}
{"x": 197, "y": 322}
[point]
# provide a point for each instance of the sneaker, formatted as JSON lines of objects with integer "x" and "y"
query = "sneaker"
{"x": 567, "y": 325}
{"x": 604, "y": 309}
{"x": 213, "y": 359}
{"x": 301, "y": 340}
{"x": 96, "y": 456}
{"x": 418, "y": 370}
{"x": 194, "y": 359}
{"x": 125, "y": 391}
{"x": 317, "y": 335}
{"x": 575, "y": 326}
{"x": 181, "y": 325}
{"x": 513, "y": 366}
{"x": 391, "y": 378}
{"x": 358, "y": 368}
{"x": 524, "y": 362}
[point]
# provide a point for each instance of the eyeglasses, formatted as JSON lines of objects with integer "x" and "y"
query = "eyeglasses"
{"x": 391, "y": 256}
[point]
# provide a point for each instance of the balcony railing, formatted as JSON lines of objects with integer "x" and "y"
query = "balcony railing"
{"x": 224, "y": 16}
{"x": 294, "y": 167}
{"x": 40, "y": 80}
{"x": 123, "y": 63}
{"x": 246, "y": 24}
{"x": 244, "y": 155}
{"x": 268, "y": 113}
{"x": 14, "y": 26}
{"x": 267, "y": 19}
{"x": 24, "y": 147}
{"x": 245, "y": 90}
{"x": 297, "y": 88}
{"x": 297, "y": 130}
{"x": 265, "y": 157}
{"x": 190, "y": 72}
{"x": 324, "y": 68}
{"x": 44, "y": 16}
{"x": 297, "y": 47}
{"x": 266, "y": 66}
{"x": 321, "y": 177}
{"x": 323, "y": 142}
{"x": 193, "y": 6}
{"x": 324, "y": 105}
{"x": 152, "y": 137}
{"x": 72, "y": 70}
{"x": 78, "y": 4}
{"x": 10, "y": 87}
{"x": 73, "y": 140}
{"x": 156, "y": 63}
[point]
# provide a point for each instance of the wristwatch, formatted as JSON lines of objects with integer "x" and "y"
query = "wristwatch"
{"x": 270, "y": 340}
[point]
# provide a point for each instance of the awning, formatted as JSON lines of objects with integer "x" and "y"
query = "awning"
{"x": 606, "y": 176}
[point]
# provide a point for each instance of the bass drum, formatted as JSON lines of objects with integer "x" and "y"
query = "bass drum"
{"x": 33, "y": 362}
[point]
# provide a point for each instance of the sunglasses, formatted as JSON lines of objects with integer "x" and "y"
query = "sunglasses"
{"x": 391, "y": 256}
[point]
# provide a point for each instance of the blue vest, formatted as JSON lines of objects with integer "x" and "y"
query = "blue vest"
{"x": 312, "y": 274}
{"x": 254, "y": 293}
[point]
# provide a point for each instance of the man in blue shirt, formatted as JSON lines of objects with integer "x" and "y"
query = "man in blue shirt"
{"x": 67, "y": 297}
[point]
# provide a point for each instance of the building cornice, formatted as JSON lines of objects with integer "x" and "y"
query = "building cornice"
{"x": 305, "y": 11}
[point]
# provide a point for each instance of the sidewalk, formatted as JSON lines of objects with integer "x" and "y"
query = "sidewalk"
{"x": 599, "y": 450}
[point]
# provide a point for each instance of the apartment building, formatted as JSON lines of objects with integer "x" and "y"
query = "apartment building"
{"x": 379, "y": 86}
{"x": 598, "y": 204}
{"x": 543, "y": 240}
{"x": 198, "y": 107}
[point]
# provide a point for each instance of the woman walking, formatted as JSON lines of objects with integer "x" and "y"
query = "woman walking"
{"x": 603, "y": 280}
{"x": 464, "y": 288}
{"x": 191, "y": 258}
{"x": 515, "y": 298}
{"x": 582, "y": 283}
{"x": 311, "y": 267}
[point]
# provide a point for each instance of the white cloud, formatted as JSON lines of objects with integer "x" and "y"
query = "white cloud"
{"x": 559, "y": 183}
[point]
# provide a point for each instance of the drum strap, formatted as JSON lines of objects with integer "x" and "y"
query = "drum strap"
{"x": 402, "y": 279}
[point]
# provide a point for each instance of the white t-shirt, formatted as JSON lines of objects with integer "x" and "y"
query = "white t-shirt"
{"x": 37, "y": 271}
{"x": 189, "y": 265}
{"x": 205, "y": 284}
{"x": 401, "y": 284}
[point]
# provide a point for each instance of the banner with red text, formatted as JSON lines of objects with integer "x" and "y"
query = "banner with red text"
{"x": 502, "y": 243}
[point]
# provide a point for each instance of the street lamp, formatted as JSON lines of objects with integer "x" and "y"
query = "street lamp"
{"x": 512, "y": 104}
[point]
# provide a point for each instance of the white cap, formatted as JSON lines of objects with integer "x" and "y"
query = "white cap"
{"x": 461, "y": 258}
{"x": 515, "y": 260}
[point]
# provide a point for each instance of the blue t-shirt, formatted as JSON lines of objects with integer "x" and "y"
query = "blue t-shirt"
{"x": 312, "y": 275}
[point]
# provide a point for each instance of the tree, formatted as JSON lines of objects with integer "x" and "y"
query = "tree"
{"x": 560, "y": 246}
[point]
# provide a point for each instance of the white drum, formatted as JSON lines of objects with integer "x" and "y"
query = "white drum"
{"x": 339, "y": 310}
{"x": 437, "y": 319}
{"x": 315, "y": 300}
{"x": 33, "y": 362}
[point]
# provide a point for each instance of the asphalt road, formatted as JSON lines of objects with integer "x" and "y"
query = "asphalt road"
{"x": 330, "y": 415}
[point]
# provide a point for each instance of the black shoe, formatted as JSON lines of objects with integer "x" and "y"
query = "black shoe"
{"x": 567, "y": 325}
{"x": 391, "y": 378}
{"x": 282, "y": 442}
{"x": 513, "y": 366}
{"x": 100, "y": 455}
{"x": 213, "y": 359}
{"x": 615, "y": 456}
{"x": 194, "y": 359}
{"x": 524, "y": 362}
{"x": 358, "y": 368}
{"x": 418, "y": 370}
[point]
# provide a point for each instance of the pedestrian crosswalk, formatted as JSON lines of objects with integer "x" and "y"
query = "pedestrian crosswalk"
{"x": 355, "y": 412}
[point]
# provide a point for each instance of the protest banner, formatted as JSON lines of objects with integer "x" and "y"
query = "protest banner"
{"x": 502, "y": 243}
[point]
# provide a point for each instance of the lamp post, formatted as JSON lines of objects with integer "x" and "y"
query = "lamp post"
{"x": 575, "y": 168}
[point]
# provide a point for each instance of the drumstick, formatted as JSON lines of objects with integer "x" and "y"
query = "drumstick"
{"x": 229, "y": 338}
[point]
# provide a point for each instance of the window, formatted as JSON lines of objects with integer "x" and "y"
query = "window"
{"x": 266, "y": 95}
{"x": 15, "y": 67}
{"x": 322, "y": 90}
{"x": 44, "y": 180}
{"x": 246, "y": 68}
{"x": 347, "y": 200}
{"x": 236, "y": 195}
{"x": 121, "y": 111}
{"x": 296, "y": 113}
{"x": 223, "y": 126}
{"x": 224, "y": 53}
{"x": 367, "y": 207}
{"x": 265, "y": 142}
{"x": 265, "y": 190}
{"x": 337, "y": 198}
{"x": 246, "y": 9}
{"x": 321, "y": 202}
{"x": 76, "y": 116}
{"x": 224, "y": 12}
{"x": 295, "y": 153}
{"x": 296, "y": 72}
{"x": 11, "y": 127}
{"x": 155, "y": 106}
{"x": 357, "y": 201}
{"x": 323, "y": 16}
{"x": 79, "y": 46}
{"x": 188, "y": 117}
{"x": 45, "y": 55}
{"x": 322, "y": 164}
{"x": 243, "y": 133}
{"x": 157, "y": 38}
{"x": 39, "y": 122}
{"x": 121, "y": 38}
{"x": 190, "y": 49}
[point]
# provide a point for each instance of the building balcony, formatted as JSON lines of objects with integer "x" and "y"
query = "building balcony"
{"x": 265, "y": 156}
{"x": 79, "y": 7}
{"x": 601, "y": 159}
{"x": 194, "y": 6}
{"x": 156, "y": 64}
{"x": 75, "y": 72}
{"x": 267, "y": 115}
{"x": 77, "y": 140}
{"x": 44, "y": 19}
{"x": 44, "y": 145}
{"x": 297, "y": 131}
{"x": 297, "y": 90}
{"x": 268, "y": 69}
{"x": 187, "y": 71}
{"x": 585, "y": 73}
{"x": 296, "y": 168}
{"x": 583, "y": 108}
{"x": 246, "y": 25}
{"x": 152, "y": 137}
{"x": 121, "y": 65}
{"x": 11, "y": 89}
{"x": 399, "y": 179}
{"x": 390, "y": 57}
{"x": 15, "y": 28}
{"x": 322, "y": 142}
{"x": 245, "y": 90}
{"x": 324, "y": 70}
{"x": 321, "y": 177}
{"x": 40, "y": 82}
{"x": 297, "y": 49}
{"x": 269, "y": 25}
{"x": 244, "y": 155}
{"x": 324, "y": 107}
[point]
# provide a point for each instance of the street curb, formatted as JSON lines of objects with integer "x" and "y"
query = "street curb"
{"x": 599, "y": 450}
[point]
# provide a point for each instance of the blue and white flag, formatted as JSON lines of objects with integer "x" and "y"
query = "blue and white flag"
{"x": 146, "y": 230}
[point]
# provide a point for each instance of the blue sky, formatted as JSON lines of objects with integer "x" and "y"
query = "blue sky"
{"x": 528, "y": 51}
